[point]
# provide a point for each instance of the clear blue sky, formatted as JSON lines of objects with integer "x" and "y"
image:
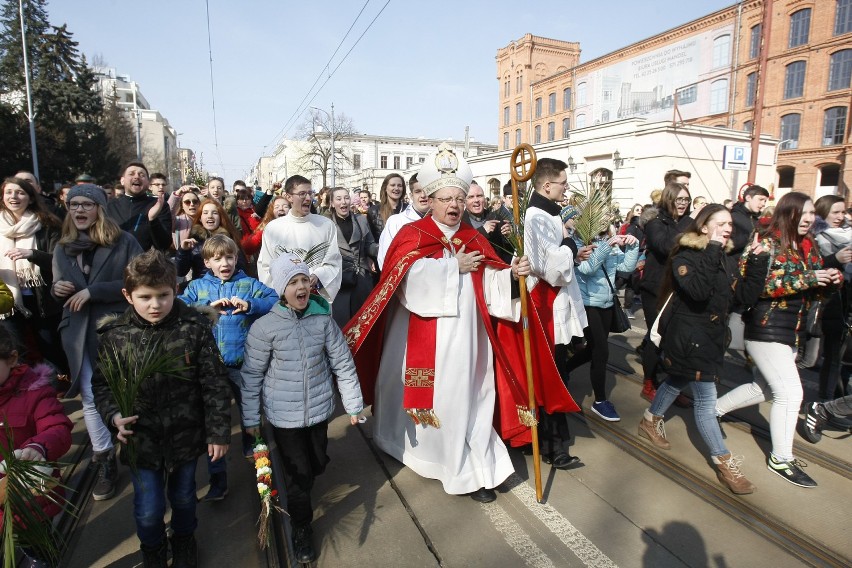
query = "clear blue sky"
{"x": 424, "y": 68}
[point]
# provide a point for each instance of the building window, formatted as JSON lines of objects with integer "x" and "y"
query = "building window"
{"x": 505, "y": 140}
{"x": 748, "y": 126}
{"x": 507, "y": 89}
{"x": 840, "y": 70}
{"x": 517, "y": 136}
{"x": 687, "y": 95}
{"x": 800, "y": 26}
{"x": 719, "y": 96}
{"x": 551, "y": 103}
{"x": 843, "y": 17}
{"x": 581, "y": 121}
{"x": 519, "y": 82}
{"x": 794, "y": 80}
{"x": 519, "y": 112}
{"x": 422, "y": 159}
{"x": 538, "y": 107}
{"x": 505, "y": 116}
{"x": 409, "y": 161}
{"x": 834, "y": 126}
{"x": 383, "y": 162}
{"x": 537, "y": 134}
{"x": 721, "y": 51}
{"x": 566, "y": 127}
{"x": 829, "y": 175}
{"x": 751, "y": 84}
{"x": 356, "y": 161}
{"x": 605, "y": 116}
{"x": 581, "y": 94}
{"x": 786, "y": 177}
{"x": 790, "y": 124}
{"x": 566, "y": 98}
{"x": 396, "y": 162}
{"x": 551, "y": 131}
{"x": 754, "y": 42}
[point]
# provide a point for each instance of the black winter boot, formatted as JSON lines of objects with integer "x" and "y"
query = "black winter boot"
{"x": 303, "y": 548}
{"x": 107, "y": 475}
{"x": 184, "y": 551}
{"x": 218, "y": 487}
{"x": 155, "y": 557}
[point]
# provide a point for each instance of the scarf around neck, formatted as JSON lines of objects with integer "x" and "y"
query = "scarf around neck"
{"x": 18, "y": 274}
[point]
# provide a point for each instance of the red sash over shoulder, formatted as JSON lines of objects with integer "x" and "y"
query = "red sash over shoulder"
{"x": 364, "y": 334}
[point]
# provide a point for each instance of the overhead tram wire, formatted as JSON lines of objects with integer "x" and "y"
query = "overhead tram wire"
{"x": 212, "y": 89}
{"x": 301, "y": 109}
{"x": 297, "y": 112}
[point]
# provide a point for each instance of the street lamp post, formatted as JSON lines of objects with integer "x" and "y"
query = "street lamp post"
{"x": 331, "y": 117}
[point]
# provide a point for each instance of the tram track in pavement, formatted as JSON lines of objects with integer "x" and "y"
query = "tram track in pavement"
{"x": 804, "y": 547}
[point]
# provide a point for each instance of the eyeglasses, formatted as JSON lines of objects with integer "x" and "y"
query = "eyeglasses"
{"x": 191, "y": 201}
{"x": 159, "y": 184}
{"x": 562, "y": 183}
{"x": 446, "y": 200}
{"x": 84, "y": 205}
{"x": 683, "y": 200}
{"x": 303, "y": 194}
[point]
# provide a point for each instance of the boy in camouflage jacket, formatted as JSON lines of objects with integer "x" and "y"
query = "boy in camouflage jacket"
{"x": 176, "y": 419}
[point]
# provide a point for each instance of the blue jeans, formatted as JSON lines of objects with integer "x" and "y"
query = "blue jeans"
{"x": 704, "y": 407}
{"x": 149, "y": 502}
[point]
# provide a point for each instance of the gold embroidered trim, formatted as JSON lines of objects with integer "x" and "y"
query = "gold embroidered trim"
{"x": 420, "y": 377}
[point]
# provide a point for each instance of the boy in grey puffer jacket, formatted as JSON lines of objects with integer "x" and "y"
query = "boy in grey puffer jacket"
{"x": 292, "y": 354}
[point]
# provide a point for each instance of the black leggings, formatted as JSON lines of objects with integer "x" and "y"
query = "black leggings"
{"x": 303, "y": 457}
{"x": 650, "y": 353}
{"x": 596, "y": 349}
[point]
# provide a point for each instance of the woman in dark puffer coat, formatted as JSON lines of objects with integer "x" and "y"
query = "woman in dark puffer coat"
{"x": 694, "y": 331}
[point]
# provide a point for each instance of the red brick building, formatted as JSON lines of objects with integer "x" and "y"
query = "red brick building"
{"x": 783, "y": 64}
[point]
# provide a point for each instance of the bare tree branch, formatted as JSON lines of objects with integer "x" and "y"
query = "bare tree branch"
{"x": 316, "y": 130}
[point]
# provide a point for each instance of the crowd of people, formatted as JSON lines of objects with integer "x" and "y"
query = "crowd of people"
{"x": 409, "y": 303}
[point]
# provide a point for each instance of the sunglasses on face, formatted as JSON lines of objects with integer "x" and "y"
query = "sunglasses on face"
{"x": 191, "y": 201}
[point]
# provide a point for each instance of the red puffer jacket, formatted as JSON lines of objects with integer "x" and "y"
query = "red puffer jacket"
{"x": 30, "y": 412}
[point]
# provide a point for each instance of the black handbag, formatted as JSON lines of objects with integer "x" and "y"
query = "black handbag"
{"x": 813, "y": 323}
{"x": 620, "y": 321}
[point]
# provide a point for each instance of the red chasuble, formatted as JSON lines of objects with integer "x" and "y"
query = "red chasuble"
{"x": 364, "y": 334}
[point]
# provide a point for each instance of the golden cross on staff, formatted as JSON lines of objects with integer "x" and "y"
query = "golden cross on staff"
{"x": 523, "y": 167}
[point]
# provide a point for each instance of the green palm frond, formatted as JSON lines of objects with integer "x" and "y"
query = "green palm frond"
{"x": 594, "y": 203}
{"x": 24, "y": 521}
{"x": 313, "y": 257}
{"x": 516, "y": 237}
{"x": 126, "y": 367}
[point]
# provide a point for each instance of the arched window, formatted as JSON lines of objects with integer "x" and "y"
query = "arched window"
{"x": 551, "y": 131}
{"x": 537, "y": 134}
{"x": 794, "y": 80}
{"x": 494, "y": 187}
{"x": 517, "y": 136}
{"x": 790, "y": 125}
{"x": 834, "y": 126}
{"x": 754, "y": 42}
{"x": 786, "y": 177}
{"x": 721, "y": 51}
{"x": 566, "y": 127}
{"x": 566, "y": 98}
{"x": 601, "y": 179}
{"x": 843, "y": 17}
{"x": 829, "y": 175}
{"x": 605, "y": 116}
{"x": 751, "y": 86}
{"x": 581, "y": 94}
{"x": 581, "y": 120}
{"x": 800, "y": 27}
{"x": 505, "y": 140}
{"x": 748, "y": 126}
{"x": 840, "y": 70}
{"x": 719, "y": 96}
{"x": 538, "y": 107}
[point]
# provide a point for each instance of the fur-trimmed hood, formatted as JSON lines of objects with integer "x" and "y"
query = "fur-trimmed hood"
{"x": 648, "y": 213}
{"x": 698, "y": 241}
{"x": 819, "y": 225}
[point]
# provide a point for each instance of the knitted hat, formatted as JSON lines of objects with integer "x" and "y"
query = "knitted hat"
{"x": 284, "y": 268}
{"x": 89, "y": 191}
{"x": 568, "y": 212}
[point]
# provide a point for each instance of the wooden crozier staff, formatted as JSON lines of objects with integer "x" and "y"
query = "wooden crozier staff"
{"x": 523, "y": 167}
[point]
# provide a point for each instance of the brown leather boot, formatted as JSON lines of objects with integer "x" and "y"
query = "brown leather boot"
{"x": 654, "y": 429}
{"x": 648, "y": 390}
{"x": 731, "y": 476}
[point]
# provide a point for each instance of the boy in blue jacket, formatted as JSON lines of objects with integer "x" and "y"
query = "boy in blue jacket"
{"x": 240, "y": 300}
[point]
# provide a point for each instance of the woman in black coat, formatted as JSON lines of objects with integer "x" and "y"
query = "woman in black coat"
{"x": 694, "y": 331}
{"x": 673, "y": 218}
{"x": 358, "y": 249}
